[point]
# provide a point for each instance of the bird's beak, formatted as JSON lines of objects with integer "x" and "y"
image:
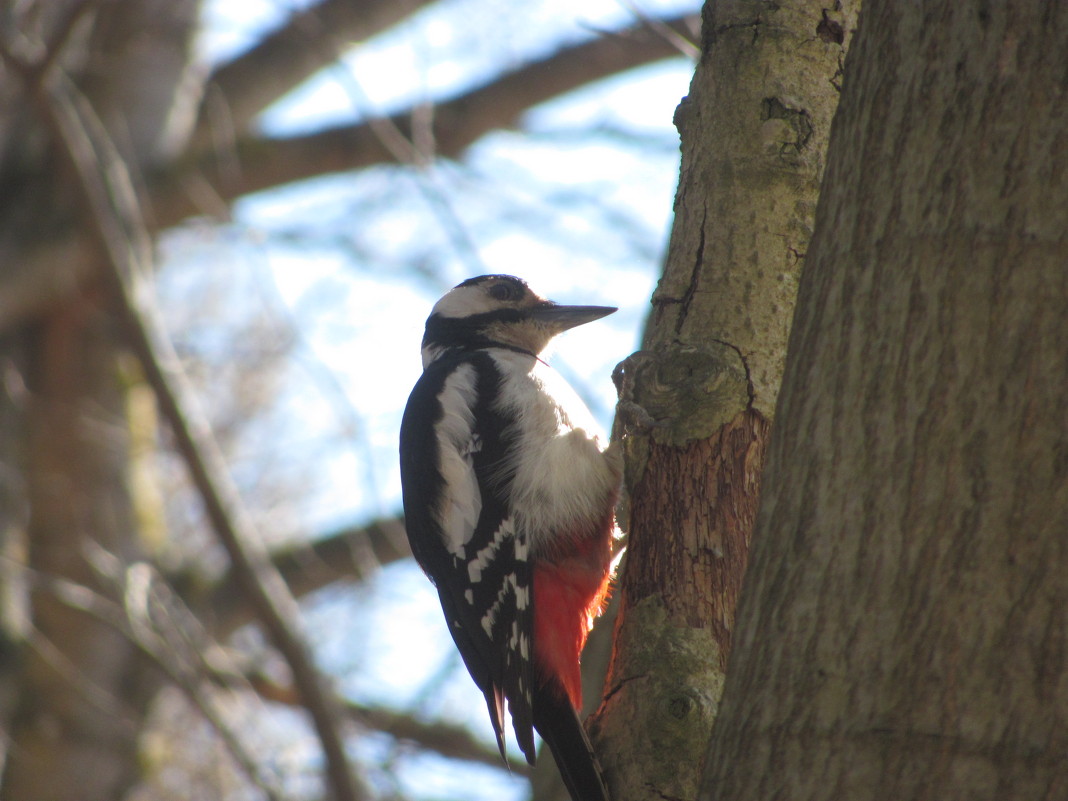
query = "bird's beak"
{"x": 561, "y": 318}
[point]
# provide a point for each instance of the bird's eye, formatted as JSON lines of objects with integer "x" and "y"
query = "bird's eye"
{"x": 504, "y": 291}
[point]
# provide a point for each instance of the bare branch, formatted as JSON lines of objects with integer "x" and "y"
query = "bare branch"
{"x": 262, "y": 163}
{"x": 351, "y": 554}
{"x": 309, "y": 40}
{"x": 446, "y": 739}
{"x": 35, "y": 59}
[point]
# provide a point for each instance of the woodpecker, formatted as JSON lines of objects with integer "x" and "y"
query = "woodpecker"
{"x": 509, "y": 498}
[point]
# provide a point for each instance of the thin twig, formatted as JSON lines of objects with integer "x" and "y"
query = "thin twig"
{"x": 284, "y": 58}
{"x": 34, "y": 66}
{"x": 681, "y": 41}
{"x": 201, "y": 181}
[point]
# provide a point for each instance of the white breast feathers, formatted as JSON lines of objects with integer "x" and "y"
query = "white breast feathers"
{"x": 562, "y": 476}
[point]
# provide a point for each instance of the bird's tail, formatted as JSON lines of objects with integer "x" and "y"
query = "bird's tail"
{"x": 560, "y": 728}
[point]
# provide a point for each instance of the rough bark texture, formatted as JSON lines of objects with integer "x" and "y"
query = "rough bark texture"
{"x": 754, "y": 129}
{"x": 696, "y": 567}
{"x": 902, "y": 631}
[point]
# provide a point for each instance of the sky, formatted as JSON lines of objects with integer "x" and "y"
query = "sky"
{"x": 353, "y": 263}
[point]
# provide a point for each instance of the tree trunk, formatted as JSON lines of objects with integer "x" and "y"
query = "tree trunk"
{"x": 74, "y": 690}
{"x": 80, "y": 699}
{"x": 754, "y": 129}
{"x": 902, "y": 632}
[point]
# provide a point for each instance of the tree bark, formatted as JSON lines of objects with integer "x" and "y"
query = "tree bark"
{"x": 902, "y": 631}
{"x": 754, "y": 129}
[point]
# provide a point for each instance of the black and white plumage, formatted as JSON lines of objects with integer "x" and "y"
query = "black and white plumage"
{"x": 508, "y": 501}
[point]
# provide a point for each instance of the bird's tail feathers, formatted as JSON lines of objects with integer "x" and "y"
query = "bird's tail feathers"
{"x": 495, "y": 705}
{"x": 559, "y": 726}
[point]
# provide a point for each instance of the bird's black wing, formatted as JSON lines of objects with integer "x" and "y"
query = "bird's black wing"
{"x": 456, "y": 472}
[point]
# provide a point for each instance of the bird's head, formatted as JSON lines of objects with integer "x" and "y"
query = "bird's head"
{"x": 502, "y": 311}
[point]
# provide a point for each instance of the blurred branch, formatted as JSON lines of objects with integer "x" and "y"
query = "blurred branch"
{"x": 259, "y": 163}
{"x": 114, "y": 219}
{"x": 34, "y": 58}
{"x": 446, "y": 739}
{"x": 351, "y": 554}
{"x": 169, "y": 636}
{"x": 205, "y": 184}
{"x": 308, "y": 41}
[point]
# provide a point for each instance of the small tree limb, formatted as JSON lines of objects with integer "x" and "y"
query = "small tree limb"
{"x": 445, "y": 739}
{"x": 258, "y": 163}
{"x": 170, "y": 638}
{"x": 351, "y": 554}
{"x": 309, "y": 40}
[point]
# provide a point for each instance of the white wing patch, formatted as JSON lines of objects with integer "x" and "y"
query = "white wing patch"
{"x": 461, "y": 501}
{"x": 507, "y": 589}
{"x": 517, "y": 641}
{"x": 484, "y": 557}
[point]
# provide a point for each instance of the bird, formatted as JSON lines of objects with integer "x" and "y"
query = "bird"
{"x": 509, "y": 501}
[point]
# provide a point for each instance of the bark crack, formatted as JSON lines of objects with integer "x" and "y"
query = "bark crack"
{"x": 695, "y": 275}
{"x": 749, "y": 390}
{"x": 659, "y": 302}
{"x": 719, "y": 30}
{"x": 664, "y": 796}
{"x": 619, "y": 686}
